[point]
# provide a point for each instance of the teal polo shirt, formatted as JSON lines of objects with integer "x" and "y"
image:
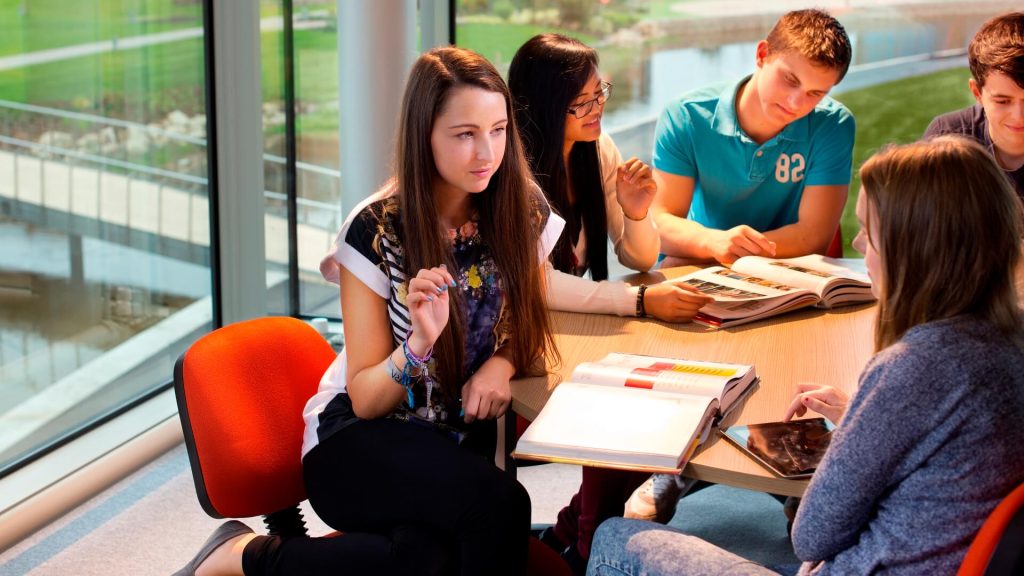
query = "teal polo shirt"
{"x": 736, "y": 180}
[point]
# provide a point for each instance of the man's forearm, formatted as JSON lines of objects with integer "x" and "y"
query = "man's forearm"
{"x": 796, "y": 239}
{"x": 682, "y": 237}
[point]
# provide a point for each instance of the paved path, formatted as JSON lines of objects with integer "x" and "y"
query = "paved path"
{"x": 141, "y": 205}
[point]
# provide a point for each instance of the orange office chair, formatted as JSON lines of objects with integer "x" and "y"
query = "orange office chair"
{"x": 998, "y": 549}
{"x": 240, "y": 392}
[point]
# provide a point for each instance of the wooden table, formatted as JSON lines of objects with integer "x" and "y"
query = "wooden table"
{"x": 810, "y": 345}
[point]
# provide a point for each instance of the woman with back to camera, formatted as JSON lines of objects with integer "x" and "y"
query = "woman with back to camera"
{"x": 926, "y": 448}
{"x": 441, "y": 294}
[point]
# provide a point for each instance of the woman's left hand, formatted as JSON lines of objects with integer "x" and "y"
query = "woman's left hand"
{"x": 635, "y": 188}
{"x": 487, "y": 395}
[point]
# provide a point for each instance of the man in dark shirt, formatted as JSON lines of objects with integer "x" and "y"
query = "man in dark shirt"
{"x": 996, "y": 58}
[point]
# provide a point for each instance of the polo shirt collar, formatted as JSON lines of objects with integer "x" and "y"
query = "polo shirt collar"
{"x": 726, "y": 123}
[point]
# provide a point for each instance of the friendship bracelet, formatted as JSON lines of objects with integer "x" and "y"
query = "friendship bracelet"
{"x": 402, "y": 377}
{"x": 641, "y": 310}
{"x": 410, "y": 355}
{"x": 408, "y": 377}
{"x": 415, "y": 367}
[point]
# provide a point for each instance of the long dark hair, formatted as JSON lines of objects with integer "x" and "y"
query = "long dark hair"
{"x": 546, "y": 75}
{"x": 505, "y": 209}
{"x": 949, "y": 229}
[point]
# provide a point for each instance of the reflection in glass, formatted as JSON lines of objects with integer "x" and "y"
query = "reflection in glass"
{"x": 909, "y": 61}
{"x": 317, "y": 186}
{"x": 655, "y": 50}
{"x": 104, "y": 213}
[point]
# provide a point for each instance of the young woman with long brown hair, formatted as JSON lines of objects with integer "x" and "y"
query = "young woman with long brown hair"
{"x": 441, "y": 309}
{"x": 929, "y": 445}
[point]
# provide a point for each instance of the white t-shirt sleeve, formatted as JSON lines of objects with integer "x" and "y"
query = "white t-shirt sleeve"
{"x": 352, "y": 248}
{"x": 636, "y": 242}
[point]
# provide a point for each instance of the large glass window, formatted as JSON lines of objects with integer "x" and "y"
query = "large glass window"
{"x": 317, "y": 142}
{"x": 104, "y": 203}
{"x": 314, "y": 77}
{"x": 104, "y": 212}
{"x": 909, "y": 59}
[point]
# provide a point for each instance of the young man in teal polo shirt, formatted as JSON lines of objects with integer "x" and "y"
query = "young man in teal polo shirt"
{"x": 760, "y": 166}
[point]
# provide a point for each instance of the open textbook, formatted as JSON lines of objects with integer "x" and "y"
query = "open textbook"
{"x": 757, "y": 287}
{"x": 634, "y": 412}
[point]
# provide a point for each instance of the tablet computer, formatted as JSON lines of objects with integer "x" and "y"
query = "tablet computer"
{"x": 789, "y": 449}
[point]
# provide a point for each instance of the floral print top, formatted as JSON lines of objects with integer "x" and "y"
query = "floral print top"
{"x": 370, "y": 246}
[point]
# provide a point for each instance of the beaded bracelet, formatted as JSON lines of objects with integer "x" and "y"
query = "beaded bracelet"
{"x": 641, "y": 310}
{"x": 418, "y": 363}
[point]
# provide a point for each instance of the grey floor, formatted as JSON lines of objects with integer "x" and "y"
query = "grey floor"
{"x": 151, "y": 523}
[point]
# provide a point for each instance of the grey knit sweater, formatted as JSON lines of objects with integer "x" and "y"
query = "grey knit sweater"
{"x": 931, "y": 442}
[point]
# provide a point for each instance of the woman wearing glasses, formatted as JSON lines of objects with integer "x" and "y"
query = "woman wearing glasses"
{"x": 560, "y": 99}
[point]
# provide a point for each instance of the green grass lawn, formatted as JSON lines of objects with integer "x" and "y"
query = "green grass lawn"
{"x": 31, "y": 25}
{"x": 95, "y": 83}
{"x": 142, "y": 84}
{"x": 662, "y": 9}
{"x": 897, "y": 112}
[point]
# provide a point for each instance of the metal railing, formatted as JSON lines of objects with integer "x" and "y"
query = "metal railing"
{"x": 317, "y": 213}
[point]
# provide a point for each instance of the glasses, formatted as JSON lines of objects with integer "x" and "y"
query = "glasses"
{"x": 581, "y": 110}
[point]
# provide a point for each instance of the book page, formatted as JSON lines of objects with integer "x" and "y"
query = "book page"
{"x": 651, "y": 372}
{"x": 813, "y": 272}
{"x": 739, "y": 295}
{"x": 726, "y": 285}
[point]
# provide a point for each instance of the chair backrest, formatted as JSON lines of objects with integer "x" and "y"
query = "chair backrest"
{"x": 835, "y": 247}
{"x": 240, "y": 392}
{"x": 998, "y": 548}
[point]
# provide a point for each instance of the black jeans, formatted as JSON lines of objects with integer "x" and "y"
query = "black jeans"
{"x": 409, "y": 501}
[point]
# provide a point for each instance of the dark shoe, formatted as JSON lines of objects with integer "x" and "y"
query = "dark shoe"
{"x": 226, "y": 531}
{"x": 577, "y": 565}
{"x": 548, "y": 537}
{"x": 789, "y": 508}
